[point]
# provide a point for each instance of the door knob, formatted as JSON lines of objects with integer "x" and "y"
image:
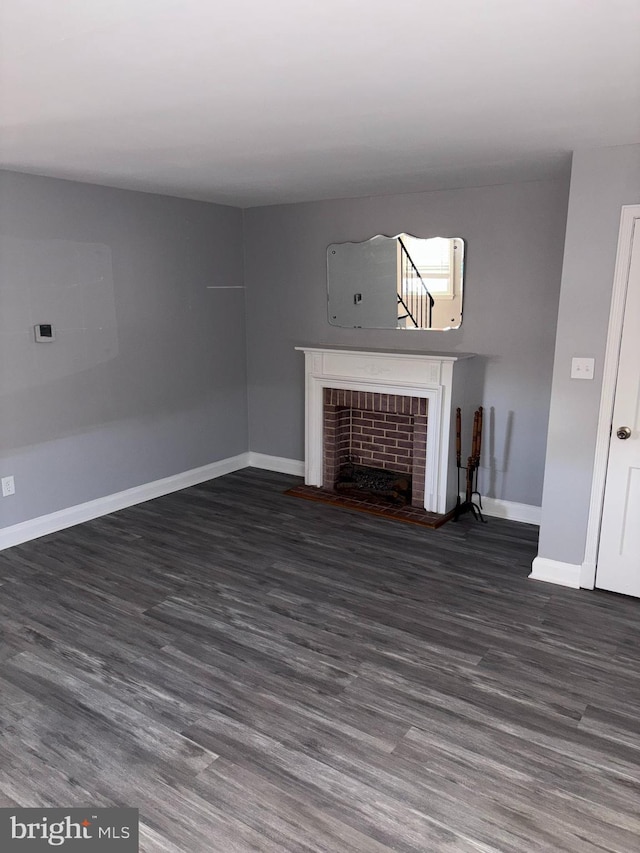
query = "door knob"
{"x": 623, "y": 433}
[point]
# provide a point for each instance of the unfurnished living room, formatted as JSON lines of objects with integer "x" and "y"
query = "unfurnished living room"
{"x": 320, "y": 426}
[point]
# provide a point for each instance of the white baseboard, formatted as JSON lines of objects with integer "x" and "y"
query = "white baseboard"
{"x": 45, "y": 524}
{"x": 554, "y": 571}
{"x": 276, "y": 463}
{"x": 588, "y": 575}
{"x": 525, "y": 513}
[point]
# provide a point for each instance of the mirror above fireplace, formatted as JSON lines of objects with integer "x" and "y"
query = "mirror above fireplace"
{"x": 401, "y": 282}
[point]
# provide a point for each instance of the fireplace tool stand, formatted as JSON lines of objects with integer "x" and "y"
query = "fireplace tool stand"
{"x": 471, "y": 468}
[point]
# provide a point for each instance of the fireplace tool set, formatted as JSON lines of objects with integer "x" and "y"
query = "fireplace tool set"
{"x": 471, "y": 468}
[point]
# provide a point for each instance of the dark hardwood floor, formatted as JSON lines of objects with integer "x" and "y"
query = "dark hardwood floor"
{"x": 256, "y": 672}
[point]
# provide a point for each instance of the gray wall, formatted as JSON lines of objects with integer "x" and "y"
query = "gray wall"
{"x": 147, "y": 377}
{"x": 602, "y": 180}
{"x": 515, "y": 236}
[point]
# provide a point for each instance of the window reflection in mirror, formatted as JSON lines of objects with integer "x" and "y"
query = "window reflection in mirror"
{"x": 401, "y": 282}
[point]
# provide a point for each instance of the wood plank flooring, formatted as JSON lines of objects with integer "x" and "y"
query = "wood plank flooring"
{"x": 259, "y": 673}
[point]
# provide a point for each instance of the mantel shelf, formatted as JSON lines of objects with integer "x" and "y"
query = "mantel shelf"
{"x": 391, "y": 353}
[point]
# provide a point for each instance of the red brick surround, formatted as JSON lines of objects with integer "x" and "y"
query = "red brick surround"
{"x": 381, "y": 430}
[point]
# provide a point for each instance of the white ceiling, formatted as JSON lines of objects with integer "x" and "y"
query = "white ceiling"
{"x": 252, "y": 102}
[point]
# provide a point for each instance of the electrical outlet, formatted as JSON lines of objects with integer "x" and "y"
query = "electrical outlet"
{"x": 8, "y": 487}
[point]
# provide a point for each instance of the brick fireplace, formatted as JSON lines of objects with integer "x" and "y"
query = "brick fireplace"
{"x": 390, "y": 393}
{"x": 386, "y": 431}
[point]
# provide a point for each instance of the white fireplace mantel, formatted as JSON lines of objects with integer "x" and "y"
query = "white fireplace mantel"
{"x": 439, "y": 377}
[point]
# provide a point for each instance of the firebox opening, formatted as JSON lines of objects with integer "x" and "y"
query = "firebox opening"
{"x": 383, "y": 437}
{"x": 362, "y": 481}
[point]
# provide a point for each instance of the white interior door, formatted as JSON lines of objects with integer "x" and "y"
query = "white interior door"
{"x": 618, "y": 566}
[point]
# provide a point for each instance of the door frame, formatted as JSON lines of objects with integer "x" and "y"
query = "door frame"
{"x": 629, "y": 220}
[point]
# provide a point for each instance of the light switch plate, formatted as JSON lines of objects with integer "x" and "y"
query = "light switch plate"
{"x": 582, "y": 368}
